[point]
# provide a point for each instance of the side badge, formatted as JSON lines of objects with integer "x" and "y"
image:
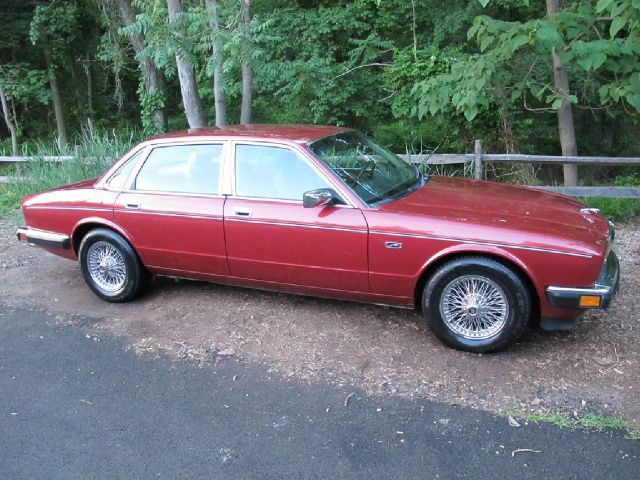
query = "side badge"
{"x": 393, "y": 244}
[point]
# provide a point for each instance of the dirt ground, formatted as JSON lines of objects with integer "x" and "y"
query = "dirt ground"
{"x": 594, "y": 368}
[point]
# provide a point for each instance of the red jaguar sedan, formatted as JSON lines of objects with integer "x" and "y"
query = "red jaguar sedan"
{"x": 326, "y": 211}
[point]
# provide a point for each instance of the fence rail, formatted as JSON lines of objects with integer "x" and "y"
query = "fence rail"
{"x": 478, "y": 158}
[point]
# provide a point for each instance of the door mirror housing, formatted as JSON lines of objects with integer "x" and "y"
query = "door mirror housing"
{"x": 320, "y": 198}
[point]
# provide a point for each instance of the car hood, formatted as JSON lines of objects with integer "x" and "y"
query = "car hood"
{"x": 511, "y": 214}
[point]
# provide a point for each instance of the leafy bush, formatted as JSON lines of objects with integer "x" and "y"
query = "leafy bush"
{"x": 619, "y": 209}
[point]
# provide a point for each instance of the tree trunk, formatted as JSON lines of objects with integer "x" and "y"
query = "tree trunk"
{"x": 154, "y": 81}
{"x": 565, "y": 115}
{"x": 10, "y": 125}
{"x": 247, "y": 73}
{"x": 87, "y": 71}
{"x": 188, "y": 83}
{"x": 57, "y": 99}
{"x": 218, "y": 85}
{"x": 76, "y": 81}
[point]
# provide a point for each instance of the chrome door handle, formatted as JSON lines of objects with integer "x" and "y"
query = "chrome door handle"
{"x": 243, "y": 212}
{"x": 132, "y": 205}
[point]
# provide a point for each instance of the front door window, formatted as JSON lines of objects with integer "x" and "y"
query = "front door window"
{"x": 273, "y": 173}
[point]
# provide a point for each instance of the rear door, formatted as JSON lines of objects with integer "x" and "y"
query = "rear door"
{"x": 173, "y": 209}
{"x": 271, "y": 236}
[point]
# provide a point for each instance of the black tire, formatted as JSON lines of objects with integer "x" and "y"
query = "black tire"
{"x": 123, "y": 278}
{"x": 505, "y": 290}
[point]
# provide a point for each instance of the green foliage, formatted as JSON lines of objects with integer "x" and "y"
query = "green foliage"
{"x": 619, "y": 209}
{"x": 310, "y": 74}
{"x": 149, "y": 103}
{"x": 508, "y": 52}
{"x": 54, "y": 23}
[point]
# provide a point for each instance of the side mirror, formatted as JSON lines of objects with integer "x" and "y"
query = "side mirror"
{"x": 319, "y": 198}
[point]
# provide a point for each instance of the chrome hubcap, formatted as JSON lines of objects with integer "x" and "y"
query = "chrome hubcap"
{"x": 474, "y": 307}
{"x": 106, "y": 266}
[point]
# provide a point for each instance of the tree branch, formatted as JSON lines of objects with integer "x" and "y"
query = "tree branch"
{"x": 375, "y": 64}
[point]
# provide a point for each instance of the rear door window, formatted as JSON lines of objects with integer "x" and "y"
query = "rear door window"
{"x": 182, "y": 169}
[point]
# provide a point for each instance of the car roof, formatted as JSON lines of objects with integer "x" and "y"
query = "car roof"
{"x": 290, "y": 133}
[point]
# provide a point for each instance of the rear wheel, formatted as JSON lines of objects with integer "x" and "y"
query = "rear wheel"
{"x": 110, "y": 266}
{"x": 476, "y": 304}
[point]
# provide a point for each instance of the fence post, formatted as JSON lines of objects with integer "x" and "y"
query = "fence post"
{"x": 478, "y": 174}
{"x": 79, "y": 152}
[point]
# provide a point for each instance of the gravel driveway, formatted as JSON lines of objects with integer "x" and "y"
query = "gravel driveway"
{"x": 383, "y": 350}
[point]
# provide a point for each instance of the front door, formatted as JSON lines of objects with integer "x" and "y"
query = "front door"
{"x": 271, "y": 236}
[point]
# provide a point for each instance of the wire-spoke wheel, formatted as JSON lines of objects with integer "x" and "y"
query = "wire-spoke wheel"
{"x": 110, "y": 266}
{"x": 106, "y": 266}
{"x": 476, "y": 304}
{"x": 474, "y": 307}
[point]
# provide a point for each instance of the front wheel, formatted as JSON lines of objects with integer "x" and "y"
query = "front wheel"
{"x": 110, "y": 266}
{"x": 476, "y": 304}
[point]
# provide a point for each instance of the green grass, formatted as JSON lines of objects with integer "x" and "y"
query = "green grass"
{"x": 556, "y": 418}
{"x": 590, "y": 421}
{"x": 99, "y": 151}
{"x": 619, "y": 209}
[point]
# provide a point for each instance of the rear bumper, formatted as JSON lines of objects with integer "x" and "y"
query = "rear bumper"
{"x": 604, "y": 289}
{"x": 43, "y": 238}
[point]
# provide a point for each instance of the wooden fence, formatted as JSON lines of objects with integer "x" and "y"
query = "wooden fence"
{"x": 478, "y": 159}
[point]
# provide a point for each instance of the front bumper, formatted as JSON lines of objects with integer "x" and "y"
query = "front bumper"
{"x": 43, "y": 238}
{"x": 597, "y": 297}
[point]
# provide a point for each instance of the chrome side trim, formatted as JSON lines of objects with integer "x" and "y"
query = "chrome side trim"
{"x": 88, "y": 209}
{"x": 480, "y": 242}
{"x": 43, "y": 238}
{"x": 164, "y": 214}
{"x": 301, "y": 225}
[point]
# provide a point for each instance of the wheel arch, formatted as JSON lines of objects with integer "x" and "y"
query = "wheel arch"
{"x": 497, "y": 255}
{"x": 86, "y": 225}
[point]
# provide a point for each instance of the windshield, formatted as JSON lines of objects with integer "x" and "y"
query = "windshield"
{"x": 372, "y": 172}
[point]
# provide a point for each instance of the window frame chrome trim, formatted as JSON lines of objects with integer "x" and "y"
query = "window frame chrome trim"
{"x": 300, "y": 153}
{"x": 177, "y": 143}
{"x": 104, "y": 181}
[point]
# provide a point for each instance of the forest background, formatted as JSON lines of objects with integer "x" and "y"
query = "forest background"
{"x": 421, "y": 76}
